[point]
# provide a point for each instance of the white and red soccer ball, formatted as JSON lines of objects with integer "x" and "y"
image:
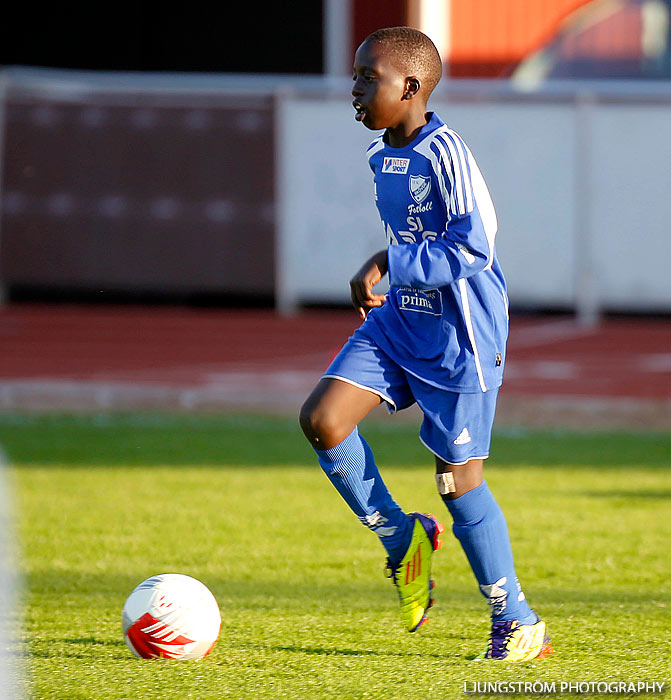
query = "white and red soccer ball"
{"x": 171, "y": 616}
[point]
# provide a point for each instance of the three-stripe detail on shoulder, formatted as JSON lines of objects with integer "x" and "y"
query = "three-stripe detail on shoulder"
{"x": 454, "y": 158}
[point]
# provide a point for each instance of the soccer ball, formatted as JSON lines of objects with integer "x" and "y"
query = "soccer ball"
{"x": 171, "y": 616}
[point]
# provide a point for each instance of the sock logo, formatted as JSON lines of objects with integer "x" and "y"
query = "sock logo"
{"x": 376, "y": 522}
{"x": 414, "y": 567}
{"x": 520, "y": 593}
{"x": 496, "y": 595}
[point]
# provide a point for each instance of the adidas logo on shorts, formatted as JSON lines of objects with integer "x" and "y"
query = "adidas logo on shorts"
{"x": 464, "y": 437}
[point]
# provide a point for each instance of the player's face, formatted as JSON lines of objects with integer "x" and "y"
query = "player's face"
{"x": 379, "y": 89}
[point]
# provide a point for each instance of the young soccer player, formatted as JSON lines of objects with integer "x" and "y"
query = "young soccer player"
{"x": 438, "y": 338}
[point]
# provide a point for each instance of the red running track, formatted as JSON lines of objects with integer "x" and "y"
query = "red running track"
{"x": 80, "y": 357}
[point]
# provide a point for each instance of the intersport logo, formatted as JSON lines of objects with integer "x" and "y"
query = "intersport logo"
{"x": 396, "y": 166}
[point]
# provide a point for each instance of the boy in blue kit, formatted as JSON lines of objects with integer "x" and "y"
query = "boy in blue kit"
{"x": 438, "y": 338}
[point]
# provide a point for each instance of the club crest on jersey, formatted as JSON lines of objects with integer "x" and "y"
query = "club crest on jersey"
{"x": 397, "y": 166}
{"x": 420, "y": 187}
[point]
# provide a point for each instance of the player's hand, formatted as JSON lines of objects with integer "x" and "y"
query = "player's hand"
{"x": 361, "y": 285}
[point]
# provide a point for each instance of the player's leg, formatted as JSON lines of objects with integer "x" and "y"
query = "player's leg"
{"x": 481, "y": 528}
{"x": 329, "y": 418}
{"x": 457, "y": 429}
{"x": 517, "y": 633}
{"x": 358, "y": 380}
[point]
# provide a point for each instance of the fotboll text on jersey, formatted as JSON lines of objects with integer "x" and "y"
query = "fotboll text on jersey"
{"x": 420, "y": 208}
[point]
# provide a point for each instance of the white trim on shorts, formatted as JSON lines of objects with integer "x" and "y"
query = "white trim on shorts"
{"x": 361, "y": 386}
{"x": 453, "y": 464}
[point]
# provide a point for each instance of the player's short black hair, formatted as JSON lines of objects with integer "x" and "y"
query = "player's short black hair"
{"x": 412, "y": 51}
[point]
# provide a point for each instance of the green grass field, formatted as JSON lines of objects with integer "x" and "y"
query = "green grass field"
{"x": 103, "y": 502}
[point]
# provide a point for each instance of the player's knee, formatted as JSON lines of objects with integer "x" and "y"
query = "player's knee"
{"x": 305, "y": 420}
{"x": 454, "y": 481}
{"x": 319, "y": 425}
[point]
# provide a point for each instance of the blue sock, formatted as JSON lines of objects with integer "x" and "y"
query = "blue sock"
{"x": 352, "y": 470}
{"x": 480, "y": 526}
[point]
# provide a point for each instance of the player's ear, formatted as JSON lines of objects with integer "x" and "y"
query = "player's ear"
{"x": 412, "y": 87}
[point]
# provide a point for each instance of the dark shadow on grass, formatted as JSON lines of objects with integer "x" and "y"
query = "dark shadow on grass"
{"x": 72, "y": 655}
{"x": 88, "y": 641}
{"x": 334, "y": 651}
{"x": 77, "y": 648}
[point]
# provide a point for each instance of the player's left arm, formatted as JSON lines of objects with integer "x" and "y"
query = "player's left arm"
{"x": 466, "y": 246}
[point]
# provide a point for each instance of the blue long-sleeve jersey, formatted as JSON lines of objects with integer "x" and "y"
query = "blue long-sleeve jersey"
{"x": 445, "y": 319}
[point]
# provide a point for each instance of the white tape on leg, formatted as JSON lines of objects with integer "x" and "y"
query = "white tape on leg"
{"x": 445, "y": 483}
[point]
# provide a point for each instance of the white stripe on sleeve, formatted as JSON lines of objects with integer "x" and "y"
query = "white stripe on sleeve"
{"x": 463, "y": 289}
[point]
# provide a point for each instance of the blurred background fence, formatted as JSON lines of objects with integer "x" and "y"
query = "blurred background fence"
{"x": 118, "y": 185}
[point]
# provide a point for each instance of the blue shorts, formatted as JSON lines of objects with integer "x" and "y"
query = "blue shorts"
{"x": 457, "y": 427}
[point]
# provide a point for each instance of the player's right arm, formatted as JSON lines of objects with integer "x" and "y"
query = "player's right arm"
{"x": 361, "y": 285}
